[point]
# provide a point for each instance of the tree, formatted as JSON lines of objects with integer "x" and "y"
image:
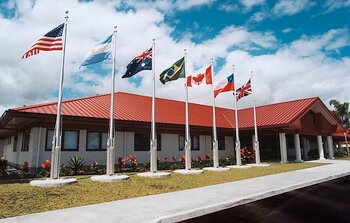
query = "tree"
{"x": 341, "y": 111}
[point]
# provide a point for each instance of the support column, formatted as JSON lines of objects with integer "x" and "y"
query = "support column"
{"x": 297, "y": 148}
{"x": 330, "y": 147}
{"x": 283, "y": 147}
{"x": 320, "y": 147}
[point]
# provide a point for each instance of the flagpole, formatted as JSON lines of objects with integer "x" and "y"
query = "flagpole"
{"x": 256, "y": 142}
{"x": 238, "y": 143}
{"x": 56, "y": 142}
{"x": 111, "y": 133}
{"x": 187, "y": 140}
{"x": 215, "y": 140}
{"x": 153, "y": 144}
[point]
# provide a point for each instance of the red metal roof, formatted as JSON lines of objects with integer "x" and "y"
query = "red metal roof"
{"x": 132, "y": 107}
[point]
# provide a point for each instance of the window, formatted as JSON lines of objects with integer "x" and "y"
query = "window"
{"x": 96, "y": 141}
{"x": 25, "y": 141}
{"x": 194, "y": 142}
{"x": 49, "y": 137}
{"x": 15, "y": 144}
{"x": 221, "y": 142}
{"x": 142, "y": 142}
{"x": 70, "y": 140}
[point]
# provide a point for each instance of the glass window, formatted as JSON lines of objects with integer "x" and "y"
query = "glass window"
{"x": 96, "y": 141}
{"x": 221, "y": 142}
{"x": 142, "y": 142}
{"x": 15, "y": 144}
{"x": 104, "y": 141}
{"x": 70, "y": 140}
{"x": 49, "y": 138}
{"x": 181, "y": 142}
{"x": 25, "y": 144}
{"x": 194, "y": 142}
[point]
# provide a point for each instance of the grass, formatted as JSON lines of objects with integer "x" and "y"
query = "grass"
{"x": 343, "y": 158}
{"x": 21, "y": 198}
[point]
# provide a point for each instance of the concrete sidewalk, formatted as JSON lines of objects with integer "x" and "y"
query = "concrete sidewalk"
{"x": 181, "y": 205}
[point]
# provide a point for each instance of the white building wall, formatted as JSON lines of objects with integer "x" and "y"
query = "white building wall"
{"x": 124, "y": 147}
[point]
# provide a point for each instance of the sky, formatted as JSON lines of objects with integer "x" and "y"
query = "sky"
{"x": 295, "y": 48}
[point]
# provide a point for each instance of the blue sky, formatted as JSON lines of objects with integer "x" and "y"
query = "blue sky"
{"x": 297, "y": 49}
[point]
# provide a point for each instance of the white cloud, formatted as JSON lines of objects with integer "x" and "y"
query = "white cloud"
{"x": 291, "y": 7}
{"x": 251, "y": 3}
{"x": 287, "y": 30}
{"x": 332, "y": 5}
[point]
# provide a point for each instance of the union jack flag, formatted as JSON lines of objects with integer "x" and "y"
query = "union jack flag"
{"x": 49, "y": 42}
{"x": 245, "y": 90}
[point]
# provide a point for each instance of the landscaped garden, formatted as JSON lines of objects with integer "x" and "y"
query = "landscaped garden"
{"x": 18, "y": 197}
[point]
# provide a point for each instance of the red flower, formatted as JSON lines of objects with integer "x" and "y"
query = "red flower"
{"x": 165, "y": 159}
{"x": 121, "y": 162}
{"x": 46, "y": 165}
{"x": 207, "y": 156}
{"x": 25, "y": 166}
{"x": 199, "y": 158}
{"x": 182, "y": 159}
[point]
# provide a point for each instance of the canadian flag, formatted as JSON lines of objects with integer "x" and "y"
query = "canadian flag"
{"x": 201, "y": 78}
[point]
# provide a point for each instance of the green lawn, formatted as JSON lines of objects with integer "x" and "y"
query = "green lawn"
{"x": 21, "y": 198}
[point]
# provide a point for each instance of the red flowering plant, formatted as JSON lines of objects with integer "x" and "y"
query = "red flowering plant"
{"x": 121, "y": 163}
{"x": 174, "y": 159}
{"x": 46, "y": 165}
{"x": 247, "y": 155}
{"x": 133, "y": 161}
{"x": 25, "y": 167}
{"x": 165, "y": 159}
{"x": 199, "y": 159}
{"x": 207, "y": 156}
{"x": 182, "y": 159}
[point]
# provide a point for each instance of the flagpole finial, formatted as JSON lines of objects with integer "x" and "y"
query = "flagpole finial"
{"x": 115, "y": 28}
{"x": 154, "y": 39}
{"x": 233, "y": 68}
{"x": 66, "y": 16}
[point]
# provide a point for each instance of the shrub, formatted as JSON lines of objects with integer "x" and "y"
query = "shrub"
{"x": 25, "y": 167}
{"x": 133, "y": 161}
{"x": 3, "y": 166}
{"x": 121, "y": 163}
{"x": 94, "y": 167}
{"x": 76, "y": 164}
{"x": 165, "y": 159}
{"x": 63, "y": 170}
{"x": 46, "y": 165}
{"x": 207, "y": 156}
{"x": 247, "y": 155}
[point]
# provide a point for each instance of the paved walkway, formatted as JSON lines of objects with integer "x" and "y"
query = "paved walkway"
{"x": 181, "y": 205}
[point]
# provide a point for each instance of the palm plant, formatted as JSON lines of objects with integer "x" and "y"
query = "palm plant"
{"x": 76, "y": 163}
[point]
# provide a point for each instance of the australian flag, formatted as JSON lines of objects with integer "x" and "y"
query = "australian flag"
{"x": 139, "y": 63}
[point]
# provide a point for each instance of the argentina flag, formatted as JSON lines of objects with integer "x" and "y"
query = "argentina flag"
{"x": 99, "y": 53}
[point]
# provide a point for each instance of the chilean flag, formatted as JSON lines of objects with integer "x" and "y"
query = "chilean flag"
{"x": 225, "y": 85}
{"x": 201, "y": 78}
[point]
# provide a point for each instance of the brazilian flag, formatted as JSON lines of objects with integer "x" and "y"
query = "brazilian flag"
{"x": 176, "y": 71}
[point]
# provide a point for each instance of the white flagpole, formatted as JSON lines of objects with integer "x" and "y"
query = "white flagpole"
{"x": 111, "y": 133}
{"x": 238, "y": 143}
{"x": 256, "y": 142}
{"x": 215, "y": 140}
{"x": 187, "y": 140}
{"x": 56, "y": 142}
{"x": 153, "y": 144}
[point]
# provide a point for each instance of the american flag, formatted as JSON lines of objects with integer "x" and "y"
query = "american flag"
{"x": 50, "y": 41}
{"x": 245, "y": 90}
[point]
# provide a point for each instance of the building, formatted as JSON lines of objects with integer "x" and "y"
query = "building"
{"x": 26, "y": 132}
